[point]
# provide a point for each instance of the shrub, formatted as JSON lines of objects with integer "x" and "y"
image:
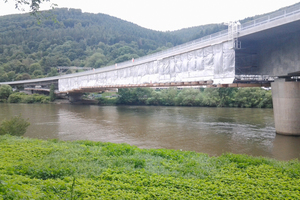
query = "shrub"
{"x": 28, "y": 99}
{"x": 212, "y": 97}
{"x": 52, "y": 93}
{"x": 40, "y": 98}
{"x": 16, "y": 97}
{"x": 19, "y": 97}
{"x": 106, "y": 101}
{"x": 15, "y": 126}
{"x": 5, "y": 91}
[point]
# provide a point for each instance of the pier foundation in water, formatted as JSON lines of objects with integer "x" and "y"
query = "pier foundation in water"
{"x": 286, "y": 106}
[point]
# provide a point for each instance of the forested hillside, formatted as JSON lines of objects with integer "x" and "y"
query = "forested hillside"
{"x": 29, "y": 49}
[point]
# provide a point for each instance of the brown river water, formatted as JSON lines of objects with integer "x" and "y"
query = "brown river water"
{"x": 208, "y": 130}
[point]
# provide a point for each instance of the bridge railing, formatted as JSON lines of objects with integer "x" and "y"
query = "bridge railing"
{"x": 165, "y": 53}
{"x": 273, "y": 16}
{"x": 265, "y": 19}
{"x": 173, "y": 50}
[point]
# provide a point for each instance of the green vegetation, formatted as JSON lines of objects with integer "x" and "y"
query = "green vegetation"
{"x": 7, "y": 95}
{"x": 107, "y": 101}
{"x": 36, "y": 169}
{"x": 15, "y": 126}
{"x": 34, "y": 5}
{"x": 5, "y": 91}
{"x": 29, "y": 49}
{"x": 52, "y": 94}
{"x": 107, "y": 98}
{"x": 19, "y": 97}
{"x": 210, "y": 97}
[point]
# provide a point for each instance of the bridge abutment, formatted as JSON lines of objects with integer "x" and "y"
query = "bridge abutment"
{"x": 286, "y": 106}
{"x": 75, "y": 97}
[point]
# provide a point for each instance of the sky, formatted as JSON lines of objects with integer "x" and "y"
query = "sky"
{"x": 166, "y": 15}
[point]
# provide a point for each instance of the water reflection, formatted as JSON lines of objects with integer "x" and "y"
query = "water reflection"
{"x": 209, "y": 130}
{"x": 286, "y": 147}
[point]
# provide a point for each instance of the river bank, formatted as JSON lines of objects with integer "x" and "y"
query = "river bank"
{"x": 200, "y": 97}
{"x": 52, "y": 169}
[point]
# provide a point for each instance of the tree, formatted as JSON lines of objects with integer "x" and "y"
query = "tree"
{"x": 168, "y": 96}
{"x": 52, "y": 94}
{"x": 26, "y": 76}
{"x": 34, "y": 5}
{"x": 53, "y": 72}
{"x": 3, "y": 77}
{"x": 96, "y": 60}
{"x": 5, "y": 91}
{"x": 127, "y": 96}
{"x": 11, "y": 75}
{"x": 226, "y": 96}
{"x": 37, "y": 73}
{"x": 33, "y": 67}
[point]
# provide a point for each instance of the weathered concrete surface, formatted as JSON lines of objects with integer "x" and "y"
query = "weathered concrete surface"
{"x": 286, "y": 106}
{"x": 75, "y": 97}
{"x": 280, "y": 55}
{"x": 273, "y": 52}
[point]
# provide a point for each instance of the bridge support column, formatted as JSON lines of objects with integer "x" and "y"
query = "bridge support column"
{"x": 74, "y": 97}
{"x": 286, "y": 106}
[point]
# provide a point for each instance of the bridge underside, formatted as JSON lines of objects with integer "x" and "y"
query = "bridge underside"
{"x": 276, "y": 52}
{"x": 270, "y": 53}
{"x": 208, "y": 84}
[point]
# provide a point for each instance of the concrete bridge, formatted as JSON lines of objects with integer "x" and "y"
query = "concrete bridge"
{"x": 251, "y": 54}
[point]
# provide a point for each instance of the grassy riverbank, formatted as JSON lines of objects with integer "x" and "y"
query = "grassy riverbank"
{"x": 37, "y": 169}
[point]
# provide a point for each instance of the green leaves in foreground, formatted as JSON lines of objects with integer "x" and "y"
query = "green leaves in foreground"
{"x": 95, "y": 170}
{"x": 15, "y": 126}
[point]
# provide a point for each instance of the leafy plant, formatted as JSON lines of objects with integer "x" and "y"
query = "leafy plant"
{"x": 210, "y": 97}
{"x": 52, "y": 94}
{"x": 16, "y": 97}
{"x": 96, "y": 170}
{"x": 15, "y": 126}
{"x": 5, "y": 91}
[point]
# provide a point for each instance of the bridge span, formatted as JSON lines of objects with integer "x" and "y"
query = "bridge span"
{"x": 253, "y": 53}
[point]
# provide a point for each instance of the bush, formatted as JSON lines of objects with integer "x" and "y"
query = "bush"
{"x": 5, "y": 91}
{"x": 19, "y": 97}
{"x": 28, "y": 99}
{"x": 15, "y": 126}
{"x": 210, "y": 97}
{"x": 106, "y": 101}
{"x": 52, "y": 93}
{"x": 40, "y": 98}
{"x": 16, "y": 97}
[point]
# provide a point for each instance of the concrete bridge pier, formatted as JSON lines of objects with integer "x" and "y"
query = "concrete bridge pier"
{"x": 74, "y": 97}
{"x": 286, "y": 106}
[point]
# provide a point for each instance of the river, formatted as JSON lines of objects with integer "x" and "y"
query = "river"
{"x": 208, "y": 130}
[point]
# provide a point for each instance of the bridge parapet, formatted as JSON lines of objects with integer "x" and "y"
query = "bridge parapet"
{"x": 272, "y": 17}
